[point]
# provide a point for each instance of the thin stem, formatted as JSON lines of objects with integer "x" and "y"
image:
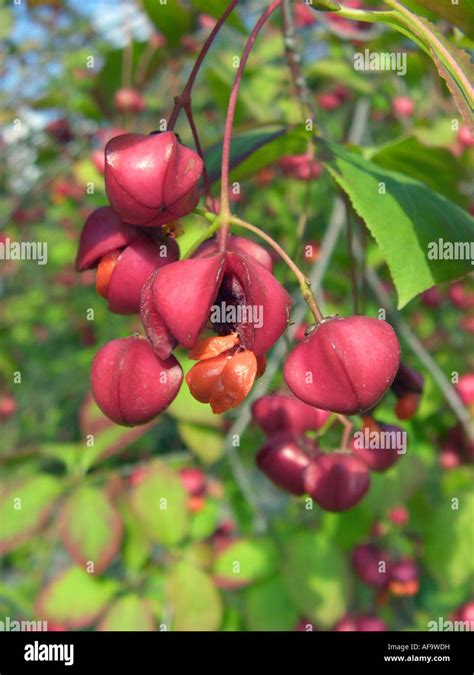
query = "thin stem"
{"x": 204, "y": 237}
{"x": 294, "y": 63}
{"x": 185, "y": 97}
{"x": 300, "y": 276}
{"x": 348, "y": 425}
{"x": 127, "y": 55}
{"x": 207, "y": 182}
{"x": 225, "y": 208}
{"x": 143, "y": 63}
{"x": 352, "y": 264}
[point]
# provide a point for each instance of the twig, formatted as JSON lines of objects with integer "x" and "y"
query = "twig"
{"x": 294, "y": 63}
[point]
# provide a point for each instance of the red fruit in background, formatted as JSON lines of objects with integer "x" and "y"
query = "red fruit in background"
{"x": 301, "y": 167}
{"x": 465, "y": 137}
{"x": 377, "y": 445}
{"x": 130, "y": 384}
{"x": 370, "y": 624}
{"x": 457, "y": 444}
{"x": 283, "y": 461}
{"x": 449, "y": 459}
{"x": 311, "y": 251}
{"x": 24, "y": 216}
{"x": 60, "y": 129}
{"x": 432, "y": 297}
{"x": 407, "y": 381}
{"x": 403, "y": 106}
{"x": 129, "y": 100}
{"x": 8, "y": 406}
{"x": 346, "y": 624}
{"x": 336, "y": 481}
{"x": 285, "y": 413}
{"x": 178, "y": 303}
{"x": 328, "y": 100}
{"x": 206, "y": 21}
{"x": 399, "y": 515}
{"x": 344, "y": 365}
{"x": 366, "y": 561}
{"x": 465, "y": 388}
{"x": 466, "y": 613}
{"x": 404, "y": 578}
{"x": 467, "y": 323}
{"x": 193, "y": 480}
{"x": 241, "y": 245}
{"x": 460, "y": 296}
{"x": 151, "y": 180}
{"x": 304, "y": 15}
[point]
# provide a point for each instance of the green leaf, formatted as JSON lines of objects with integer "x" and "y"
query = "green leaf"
{"x": 129, "y": 613}
{"x": 339, "y": 71}
{"x": 450, "y": 542}
{"x": 206, "y": 443}
{"x": 269, "y": 607}
{"x": 460, "y": 14}
{"x": 74, "y": 599}
{"x": 110, "y": 77}
{"x": 246, "y": 561}
{"x": 397, "y": 485}
{"x": 317, "y": 578}
{"x": 171, "y": 19}
{"x": 256, "y": 149}
{"x": 136, "y": 546}
{"x": 25, "y": 507}
{"x": 407, "y": 221}
{"x": 205, "y": 521}
{"x": 159, "y": 502}
{"x": 91, "y": 528}
{"x": 185, "y": 408}
{"x": 103, "y": 438}
{"x": 436, "y": 167}
{"x": 453, "y": 64}
{"x": 194, "y": 601}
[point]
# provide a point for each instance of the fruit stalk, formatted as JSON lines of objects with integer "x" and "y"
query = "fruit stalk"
{"x": 185, "y": 97}
{"x": 225, "y": 209}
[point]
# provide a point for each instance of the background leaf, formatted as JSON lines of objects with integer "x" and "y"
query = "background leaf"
{"x": 20, "y": 519}
{"x": 269, "y": 607}
{"x": 450, "y": 542}
{"x": 74, "y": 599}
{"x": 194, "y": 601}
{"x": 129, "y": 613}
{"x": 317, "y": 578}
{"x": 403, "y": 221}
{"x": 246, "y": 561}
{"x": 91, "y": 528}
{"x": 160, "y": 503}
